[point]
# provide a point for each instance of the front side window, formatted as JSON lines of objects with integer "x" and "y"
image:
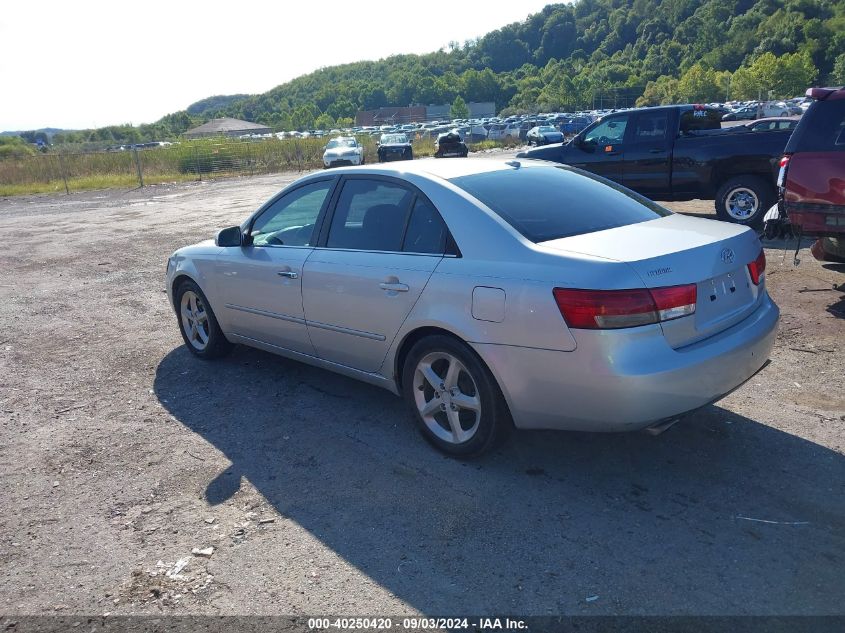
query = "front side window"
{"x": 370, "y": 215}
{"x": 608, "y": 132}
{"x": 290, "y": 220}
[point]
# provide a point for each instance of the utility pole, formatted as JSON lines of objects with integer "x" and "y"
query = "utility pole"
{"x": 138, "y": 165}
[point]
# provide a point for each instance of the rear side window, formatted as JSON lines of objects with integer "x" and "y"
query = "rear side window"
{"x": 426, "y": 231}
{"x": 698, "y": 118}
{"x": 821, "y": 129}
{"x": 547, "y": 203}
{"x": 651, "y": 127}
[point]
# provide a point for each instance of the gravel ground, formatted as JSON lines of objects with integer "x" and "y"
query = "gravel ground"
{"x": 120, "y": 454}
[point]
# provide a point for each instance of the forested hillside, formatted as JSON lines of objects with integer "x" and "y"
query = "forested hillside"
{"x": 585, "y": 54}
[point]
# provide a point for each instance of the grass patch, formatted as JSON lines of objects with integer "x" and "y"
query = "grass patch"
{"x": 189, "y": 160}
{"x": 89, "y": 183}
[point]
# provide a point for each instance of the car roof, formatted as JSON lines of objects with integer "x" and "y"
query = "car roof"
{"x": 444, "y": 167}
{"x": 823, "y": 94}
{"x": 773, "y": 118}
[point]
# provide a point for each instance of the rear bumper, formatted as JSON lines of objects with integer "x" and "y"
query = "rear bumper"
{"x": 625, "y": 380}
{"x": 387, "y": 157}
{"x": 827, "y": 221}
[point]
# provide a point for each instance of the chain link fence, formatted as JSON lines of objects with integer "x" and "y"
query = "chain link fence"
{"x": 67, "y": 171}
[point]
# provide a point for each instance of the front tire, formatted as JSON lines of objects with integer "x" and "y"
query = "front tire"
{"x": 197, "y": 323}
{"x": 744, "y": 200}
{"x": 454, "y": 398}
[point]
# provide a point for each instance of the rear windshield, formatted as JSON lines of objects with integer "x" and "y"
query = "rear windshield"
{"x": 821, "y": 129}
{"x": 550, "y": 202}
{"x": 699, "y": 119}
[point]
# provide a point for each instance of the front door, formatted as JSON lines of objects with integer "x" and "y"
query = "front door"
{"x": 601, "y": 150}
{"x": 383, "y": 243}
{"x": 261, "y": 284}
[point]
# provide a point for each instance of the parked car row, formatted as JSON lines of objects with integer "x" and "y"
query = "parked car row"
{"x": 471, "y": 130}
{"x": 346, "y": 150}
{"x": 750, "y": 110}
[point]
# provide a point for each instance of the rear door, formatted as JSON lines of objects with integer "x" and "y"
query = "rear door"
{"x": 648, "y": 154}
{"x": 377, "y": 253}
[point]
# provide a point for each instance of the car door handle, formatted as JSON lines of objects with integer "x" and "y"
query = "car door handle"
{"x": 612, "y": 153}
{"x": 288, "y": 273}
{"x": 396, "y": 287}
{"x": 655, "y": 151}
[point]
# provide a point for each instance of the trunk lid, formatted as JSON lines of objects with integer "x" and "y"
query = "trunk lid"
{"x": 678, "y": 250}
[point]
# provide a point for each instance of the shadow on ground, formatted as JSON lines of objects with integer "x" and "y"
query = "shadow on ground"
{"x": 719, "y": 515}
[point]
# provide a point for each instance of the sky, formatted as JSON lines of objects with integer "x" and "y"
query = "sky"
{"x": 91, "y": 63}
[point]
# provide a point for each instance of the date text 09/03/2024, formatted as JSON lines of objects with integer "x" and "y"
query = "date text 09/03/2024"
{"x": 413, "y": 623}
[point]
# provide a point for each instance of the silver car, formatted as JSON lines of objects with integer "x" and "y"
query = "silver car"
{"x": 490, "y": 294}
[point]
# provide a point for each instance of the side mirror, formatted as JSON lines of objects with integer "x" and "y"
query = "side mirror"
{"x": 229, "y": 237}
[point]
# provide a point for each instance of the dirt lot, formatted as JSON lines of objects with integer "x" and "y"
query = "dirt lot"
{"x": 120, "y": 453}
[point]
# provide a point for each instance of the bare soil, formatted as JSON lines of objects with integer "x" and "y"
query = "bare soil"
{"x": 120, "y": 453}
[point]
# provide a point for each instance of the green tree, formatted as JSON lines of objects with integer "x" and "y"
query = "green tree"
{"x": 342, "y": 107}
{"x": 701, "y": 85}
{"x": 324, "y": 122}
{"x": 303, "y": 117}
{"x": 662, "y": 91}
{"x": 14, "y": 147}
{"x": 837, "y": 77}
{"x": 744, "y": 84}
{"x": 785, "y": 76}
{"x": 459, "y": 109}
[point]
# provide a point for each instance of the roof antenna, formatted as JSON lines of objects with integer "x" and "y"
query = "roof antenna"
{"x": 513, "y": 163}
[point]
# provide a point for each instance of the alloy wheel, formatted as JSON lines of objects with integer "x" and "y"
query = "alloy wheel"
{"x": 194, "y": 320}
{"x": 447, "y": 397}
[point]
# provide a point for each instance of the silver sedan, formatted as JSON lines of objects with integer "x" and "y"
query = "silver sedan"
{"x": 490, "y": 294}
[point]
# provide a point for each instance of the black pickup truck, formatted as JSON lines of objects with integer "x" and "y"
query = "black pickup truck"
{"x": 680, "y": 153}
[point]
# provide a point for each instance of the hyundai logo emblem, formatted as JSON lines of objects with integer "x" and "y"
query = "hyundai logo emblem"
{"x": 727, "y": 255}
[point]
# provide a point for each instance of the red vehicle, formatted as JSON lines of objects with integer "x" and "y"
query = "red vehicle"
{"x": 811, "y": 183}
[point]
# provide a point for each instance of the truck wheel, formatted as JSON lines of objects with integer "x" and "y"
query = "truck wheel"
{"x": 744, "y": 200}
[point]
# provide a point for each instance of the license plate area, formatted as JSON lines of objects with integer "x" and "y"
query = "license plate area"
{"x": 723, "y": 297}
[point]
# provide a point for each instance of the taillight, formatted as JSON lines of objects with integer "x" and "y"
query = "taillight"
{"x": 612, "y": 309}
{"x": 757, "y": 268}
{"x": 784, "y": 164}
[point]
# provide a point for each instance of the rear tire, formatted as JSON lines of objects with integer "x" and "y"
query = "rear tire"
{"x": 197, "y": 323}
{"x": 453, "y": 397}
{"x": 744, "y": 200}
